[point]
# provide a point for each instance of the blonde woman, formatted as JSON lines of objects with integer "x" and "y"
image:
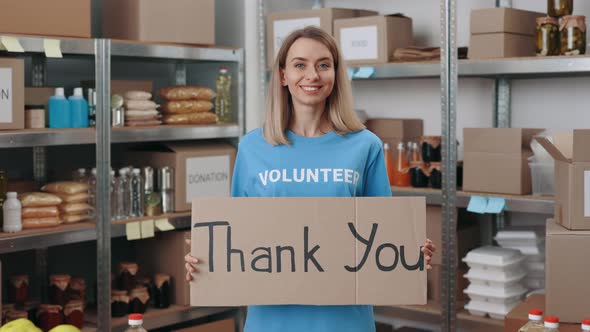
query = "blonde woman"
{"x": 312, "y": 144}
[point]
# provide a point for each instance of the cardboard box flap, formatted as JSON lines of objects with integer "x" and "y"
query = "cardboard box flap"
{"x": 581, "y": 145}
{"x": 560, "y": 146}
{"x": 554, "y": 228}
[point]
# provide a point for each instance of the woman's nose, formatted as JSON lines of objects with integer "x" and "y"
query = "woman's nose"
{"x": 312, "y": 73}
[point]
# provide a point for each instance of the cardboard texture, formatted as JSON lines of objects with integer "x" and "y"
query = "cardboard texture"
{"x": 200, "y": 169}
{"x": 324, "y": 253}
{"x": 509, "y": 20}
{"x": 372, "y": 39}
{"x": 165, "y": 254}
{"x": 280, "y": 24}
{"x": 500, "y": 45}
{"x": 179, "y": 21}
{"x": 225, "y": 325}
{"x": 495, "y": 160}
{"x": 572, "y": 177}
{"x": 519, "y": 315}
{"x": 394, "y": 131}
{"x": 122, "y": 86}
{"x": 67, "y": 18}
{"x": 12, "y": 94}
{"x": 38, "y": 96}
{"x": 566, "y": 273}
{"x": 435, "y": 282}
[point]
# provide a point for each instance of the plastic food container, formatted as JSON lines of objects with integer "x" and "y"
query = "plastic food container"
{"x": 496, "y": 295}
{"x": 494, "y": 258}
{"x": 542, "y": 178}
{"x": 534, "y": 283}
{"x": 495, "y": 279}
{"x": 494, "y": 310}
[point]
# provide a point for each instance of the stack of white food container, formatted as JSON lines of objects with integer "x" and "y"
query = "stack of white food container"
{"x": 532, "y": 244}
{"x": 495, "y": 281}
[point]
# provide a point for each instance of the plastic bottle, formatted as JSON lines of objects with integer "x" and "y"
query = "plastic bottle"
{"x": 223, "y": 98}
{"x": 135, "y": 323}
{"x": 137, "y": 192}
{"x": 551, "y": 324}
{"x": 78, "y": 109}
{"x": 59, "y": 110}
{"x": 79, "y": 175}
{"x": 401, "y": 174}
{"x": 586, "y": 325}
{"x": 415, "y": 153}
{"x": 12, "y": 213}
{"x": 388, "y": 162}
{"x": 535, "y": 323}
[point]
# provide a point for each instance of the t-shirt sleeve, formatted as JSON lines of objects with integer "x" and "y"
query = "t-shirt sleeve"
{"x": 376, "y": 179}
{"x": 240, "y": 178}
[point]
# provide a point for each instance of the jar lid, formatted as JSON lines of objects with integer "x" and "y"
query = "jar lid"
{"x": 51, "y": 308}
{"x": 14, "y": 314}
{"x": 128, "y": 266}
{"x": 118, "y": 292}
{"x": 161, "y": 278}
{"x": 60, "y": 277}
{"x": 547, "y": 19}
{"x": 19, "y": 279}
{"x": 573, "y": 21}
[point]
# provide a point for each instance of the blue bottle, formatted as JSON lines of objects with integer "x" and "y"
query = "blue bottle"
{"x": 59, "y": 110}
{"x": 78, "y": 109}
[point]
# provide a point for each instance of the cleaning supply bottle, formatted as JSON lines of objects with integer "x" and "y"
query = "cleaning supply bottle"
{"x": 223, "y": 98}
{"x": 586, "y": 325}
{"x": 135, "y": 323}
{"x": 78, "y": 109}
{"x": 388, "y": 162}
{"x": 59, "y": 110}
{"x": 551, "y": 324}
{"x": 401, "y": 171}
{"x": 535, "y": 323}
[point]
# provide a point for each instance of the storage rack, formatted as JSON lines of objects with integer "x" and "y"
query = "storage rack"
{"x": 102, "y": 50}
{"x": 449, "y": 69}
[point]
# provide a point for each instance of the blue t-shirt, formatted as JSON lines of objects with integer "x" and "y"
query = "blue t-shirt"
{"x": 330, "y": 165}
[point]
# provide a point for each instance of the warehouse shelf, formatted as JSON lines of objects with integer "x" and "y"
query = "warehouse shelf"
{"x": 180, "y": 220}
{"x": 46, "y": 137}
{"x": 514, "y": 203}
{"x": 69, "y": 46}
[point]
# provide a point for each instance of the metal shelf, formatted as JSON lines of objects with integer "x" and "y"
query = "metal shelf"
{"x": 174, "y": 51}
{"x": 514, "y": 203}
{"x": 70, "y": 46}
{"x": 46, "y": 137}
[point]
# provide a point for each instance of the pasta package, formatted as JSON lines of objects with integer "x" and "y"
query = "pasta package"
{"x": 141, "y": 113}
{"x": 186, "y": 93}
{"x": 190, "y": 118}
{"x": 75, "y": 208}
{"x": 65, "y": 187}
{"x": 39, "y": 199}
{"x": 187, "y": 106}
{"x": 75, "y": 198}
{"x": 137, "y": 95}
{"x": 32, "y": 223}
{"x": 40, "y": 212}
{"x": 140, "y": 105}
{"x": 73, "y": 218}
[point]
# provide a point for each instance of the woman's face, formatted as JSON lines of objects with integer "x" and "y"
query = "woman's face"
{"x": 309, "y": 72}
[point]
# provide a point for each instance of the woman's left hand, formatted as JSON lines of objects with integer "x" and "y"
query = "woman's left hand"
{"x": 428, "y": 250}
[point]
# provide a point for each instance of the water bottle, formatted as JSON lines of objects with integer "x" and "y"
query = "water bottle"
{"x": 59, "y": 110}
{"x": 223, "y": 98}
{"x": 78, "y": 109}
{"x": 137, "y": 192}
{"x": 135, "y": 323}
{"x": 12, "y": 214}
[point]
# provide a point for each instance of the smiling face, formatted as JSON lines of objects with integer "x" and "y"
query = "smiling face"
{"x": 309, "y": 73}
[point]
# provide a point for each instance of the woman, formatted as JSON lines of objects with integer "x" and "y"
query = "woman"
{"x": 312, "y": 132}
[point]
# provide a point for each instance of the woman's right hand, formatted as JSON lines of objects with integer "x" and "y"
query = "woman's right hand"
{"x": 189, "y": 263}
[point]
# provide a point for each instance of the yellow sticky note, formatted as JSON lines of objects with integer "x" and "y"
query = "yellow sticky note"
{"x": 12, "y": 44}
{"x": 52, "y": 48}
{"x": 2, "y": 48}
{"x": 133, "y": 231}
{"x": 147, "y": 229}
{"x": 164, "y": 225}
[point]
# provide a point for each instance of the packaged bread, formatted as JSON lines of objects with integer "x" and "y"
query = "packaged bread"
{"x": 187, "y": 106}
{"x": 186, "y": 93}
{"x": 140, "y": 105}
{"x": 75, "y": 198}
{"x": 141, "y": 117}
{"x": 75, "y": 208}
{"x": 137, "y": 95}
{"x": 40, "y": 212}
{"x": 141, "y": 112}
{"x": 143, "y": 123}
{"x": 190, "y": 118}
{"x": 65, "y": 187}
{"x": 73, "y": 218}
{"x": 39, "y": 199}
{"x": 31, "y": 223}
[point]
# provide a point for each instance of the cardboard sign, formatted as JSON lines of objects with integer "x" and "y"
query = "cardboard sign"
{"x": 359, "y": 43}
{"x": 309, "y": 250}
{"x": 6, "y": 95}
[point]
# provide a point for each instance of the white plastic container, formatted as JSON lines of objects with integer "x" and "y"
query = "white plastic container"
{"x": 491, "y": 258}
{"x": 542, "y": 178}
{"x": 494, "y": 310}
{"x": 534, "y": 283}
{"x": 502, "y": 280}
{"x": 12, "y": 214}
{"x": 529, "y": 242}
{"x": 496, "y": 295}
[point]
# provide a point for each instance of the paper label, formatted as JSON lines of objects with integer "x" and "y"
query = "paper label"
{"x": 5, "y": 95}
{"x": 133, "y": 231}
{"x": 207, "y": 176}
{"x": 586, "y": 193}
{"x": 147, "y": 229}
{"x": 359, "y": 43}
{"x": 52, "y": 48}
{"x": 163, "y": 225}
{"x": 282, "y": 28}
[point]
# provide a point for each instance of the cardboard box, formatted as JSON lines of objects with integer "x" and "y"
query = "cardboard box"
{"x": 38, "y": 96}
{"x": 495, "y": 160}
{"x": 394, "y": 131}
{"x": 372, "y": 39}
{"x": 165, "y": 254}
{"x": 200, "y": 169}
{"x": 67, "y": 18}
{"x": 12, "y": 93}
{"x": 500, "y": 45}
{"x": 566, "y": 273}
{"x": 280, "y": 24}
{"x": 279, "y": 250}
{"x": 122, "y": 86}
{"x": 434, "y": 280}
{"x": 572, "y": 177}
{"x": 226, "y": 325}
{"x": 179, "y": 21}
{"x": 519, "y": 315}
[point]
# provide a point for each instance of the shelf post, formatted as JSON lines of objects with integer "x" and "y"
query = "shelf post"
{"x": 39, "y": 78}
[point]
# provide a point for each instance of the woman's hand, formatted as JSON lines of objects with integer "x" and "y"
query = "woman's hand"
{"x": 189, "y": 263}
{"x": 428, "y": 249}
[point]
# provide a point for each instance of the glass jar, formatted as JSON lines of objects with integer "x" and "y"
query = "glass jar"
{"x": 119, "y": 303}
{"x": 547, "y": 36}
{"x": 435, "y": 175}
{"x": 74, "y": 313}
{"x": 138, "y": 300}
{"x": 18, "y": 289}
{"x": 59, "y": 289}
{"x": 49, "y": 316}
{"x": 16, "y": 314}
{"x": 126, "y": 279}
{"x": 430, "y": 147}
{"x": 418, "y": 174}
{"x": 559, "y": 8}
{"x": 145, "y": 282}
{"x": 572, "y": 32}
{"x": 162, "y": 291}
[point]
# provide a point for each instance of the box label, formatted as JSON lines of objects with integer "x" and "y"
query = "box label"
{"x": 5, "y": 95}
{"x": 359, "y": 43}
{"x": 586, "y": 193}
{"x": 282, "y": 28}
{"x": 207, "y": 176}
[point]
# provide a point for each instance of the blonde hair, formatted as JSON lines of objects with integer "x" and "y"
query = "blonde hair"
{"x": 339, "y": 104}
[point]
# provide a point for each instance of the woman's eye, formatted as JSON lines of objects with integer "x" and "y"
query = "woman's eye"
{"x": 324, "y": 66}
{"x": 299, "y": 66}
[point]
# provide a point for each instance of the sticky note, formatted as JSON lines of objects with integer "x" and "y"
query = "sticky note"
{"x": 163, "y": 225}
{"x": 365, "y": 72}
{"x": 12, "y": 44}
{"x": 147, "y": 229}
{"x": 52, "y": 48}
{"x": 477, "y": 204}
{"x": 350, "y": 73}
{"x": 496, "y": 205}
{"x": 2, "y": 48}
{"x": 133, "y": 231}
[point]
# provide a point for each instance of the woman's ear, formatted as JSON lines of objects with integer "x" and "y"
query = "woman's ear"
{"x": 282, "y": 76}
